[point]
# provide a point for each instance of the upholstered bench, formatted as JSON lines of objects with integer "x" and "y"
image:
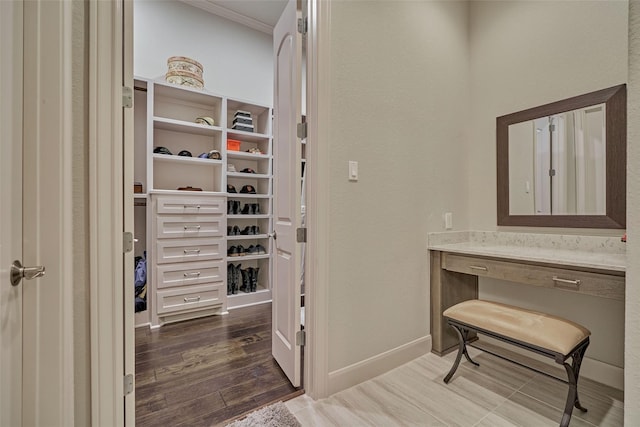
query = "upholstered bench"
{"x": 541, "y": 333}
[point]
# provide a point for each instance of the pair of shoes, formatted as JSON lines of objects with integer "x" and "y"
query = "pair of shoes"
{"x": 250, "y": 230}
{"x": 233, "y": 231}
{"x": 249, "y": 279}
{"x": 251, "y": 209}
{"x": 247, "y": 170}
{"x": 231, "y": 189}
{"x": 233, "y": 278}
{"x": 247, "y": 189}
{"x": 256, "y": 250}
{"x": 236, "y": 251}
{"x": 233, "y": 207}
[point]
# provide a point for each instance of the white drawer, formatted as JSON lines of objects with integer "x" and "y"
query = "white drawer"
{"x": 191, "y": 205}
{"x": 180, "y": 250}
{"x": 190, "y": 298}
{"x": 192, "y": 273}
{"x": 176, "y": 226}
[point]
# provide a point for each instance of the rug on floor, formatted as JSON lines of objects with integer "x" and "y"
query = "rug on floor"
{"x": 276, "y": 415}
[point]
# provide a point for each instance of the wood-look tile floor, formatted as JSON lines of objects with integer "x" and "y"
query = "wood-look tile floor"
{"x": 497, "y": 394}
{"x": 204, "y": 371}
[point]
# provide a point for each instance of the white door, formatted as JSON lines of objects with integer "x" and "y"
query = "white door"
{"x": 10, "y": 211}
{"x": 287, "y": 189}
{"x": 36, "y": 363}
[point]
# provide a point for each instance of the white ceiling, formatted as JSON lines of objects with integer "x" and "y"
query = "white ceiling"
{"x": 260, "y": 15}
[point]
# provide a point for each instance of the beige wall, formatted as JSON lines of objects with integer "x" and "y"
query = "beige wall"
{"x": 399, "y": 107}
{"x": 524, "y": 54}
{"x": 632, "y": 333}
{"x": 528, "y": 53}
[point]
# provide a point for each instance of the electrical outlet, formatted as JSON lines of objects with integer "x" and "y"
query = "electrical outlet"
{"x": 448, "y": 221}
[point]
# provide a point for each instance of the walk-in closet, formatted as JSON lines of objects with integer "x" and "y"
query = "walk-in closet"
{"x": 204, "y": 171}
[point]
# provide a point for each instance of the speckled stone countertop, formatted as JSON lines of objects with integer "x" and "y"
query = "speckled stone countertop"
{"x": 607, "y": 253}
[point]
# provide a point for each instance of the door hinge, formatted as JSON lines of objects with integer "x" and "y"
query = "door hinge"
{"x": 127, "y": 242}
{"x": 301, "y": 235}
{"x": 128, "y": 384}
{"x": 552, "y": 128}
{"x": 552, "y": 172}
{"x": 301, "y": 337}
{"x": 303, "y": 25}
{"x": 302, "y": 130}
{"x": 127, "y": 97}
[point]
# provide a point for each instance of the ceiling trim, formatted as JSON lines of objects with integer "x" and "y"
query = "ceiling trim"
{"x": 230, "y": 15}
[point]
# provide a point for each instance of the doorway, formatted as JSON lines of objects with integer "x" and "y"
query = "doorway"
{"x": 169, "y": 329}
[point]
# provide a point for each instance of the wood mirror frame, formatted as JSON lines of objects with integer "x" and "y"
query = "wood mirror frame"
{"x": 615, "y": 99}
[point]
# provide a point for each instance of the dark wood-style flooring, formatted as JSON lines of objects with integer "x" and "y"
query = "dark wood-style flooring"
{"x": 202, "y": 372}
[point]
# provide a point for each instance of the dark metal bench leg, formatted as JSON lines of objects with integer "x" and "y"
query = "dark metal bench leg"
{"x": 573, "y": 372}
{"x": 462, "y": 349}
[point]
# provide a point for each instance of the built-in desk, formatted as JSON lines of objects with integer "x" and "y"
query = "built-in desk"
{"x": 580, "y": 264}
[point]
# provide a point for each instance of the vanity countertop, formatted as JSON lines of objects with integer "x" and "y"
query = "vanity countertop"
{"x": 594, "y": 252}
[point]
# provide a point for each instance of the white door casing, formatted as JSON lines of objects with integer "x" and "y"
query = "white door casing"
{"x": 128, "y": 221}
{"x": 287, "y": 191}
{"x": 10, "y": 211}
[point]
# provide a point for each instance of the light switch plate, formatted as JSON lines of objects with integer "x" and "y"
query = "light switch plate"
{"x": 448, "y": 221}
{"x": 353, "y": 170}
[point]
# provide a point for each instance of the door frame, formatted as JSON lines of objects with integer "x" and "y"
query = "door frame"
{"x": 109, "y": 340}
{"x": 316, "y": 366}
{"x": 106, "y": 212}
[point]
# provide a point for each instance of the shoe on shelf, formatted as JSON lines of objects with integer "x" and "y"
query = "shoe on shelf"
{"x": 247, "y": 209}
{"x": 246, "y": 231}
{"x": 235, "y": 230}
{"x": 247, "y": 170}
{"x": 255, "y": 209}
{"x": 247, "y": 189}
{"x": 255, "y": 230}
{"x": 233, "y": 251}
{"x": 260, "y": 250}
{"x": 231, "y": 189}
{"x": 241, "y": 250}
{"x": 252, "y": 250}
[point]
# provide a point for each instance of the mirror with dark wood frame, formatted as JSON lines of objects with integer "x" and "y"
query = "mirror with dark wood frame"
{"x": 537, "y": 176}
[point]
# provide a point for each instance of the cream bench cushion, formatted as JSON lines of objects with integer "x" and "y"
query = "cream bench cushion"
{"x": 538, "y": 329}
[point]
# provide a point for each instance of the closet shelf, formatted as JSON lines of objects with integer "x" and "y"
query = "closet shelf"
{"x": 233, "y": 259}
{"x": 265, "y": 216}
{"x": 247, "y": 136}
{"x": 248, "y": 175}
{"x": 185, "y": 127}
{"x": 248, "y": 237}
{"x": 195, "y": 161}
{"x": 247, "y": 196}
{"x": 177, "y": 192}
{"x": 248, "y": 156}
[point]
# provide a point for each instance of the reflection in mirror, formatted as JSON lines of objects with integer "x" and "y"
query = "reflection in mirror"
{"x": 563, "y": 164}
{"x": 557, "y": 164}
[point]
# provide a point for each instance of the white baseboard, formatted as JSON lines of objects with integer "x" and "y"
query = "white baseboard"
{"x": 372, "y": 367}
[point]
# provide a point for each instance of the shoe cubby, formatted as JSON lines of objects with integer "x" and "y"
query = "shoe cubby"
{"x": 184, "y": 105}
{"x": 260, "y": 117}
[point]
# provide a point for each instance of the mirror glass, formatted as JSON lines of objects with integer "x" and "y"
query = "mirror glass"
{"x": 557, "y": 164}
{"x": 563, "y": 164}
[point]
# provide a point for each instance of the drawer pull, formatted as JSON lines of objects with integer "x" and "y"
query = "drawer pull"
{"x": 192, "y": 251}
{"x": 478, "y": 267}
{"x": 191, "y": 206}
{"x": 192, "y": 299}
{"x": 575, "y": 282}
{"x": 189, "y": 226}
{"x": 192, "y": 274}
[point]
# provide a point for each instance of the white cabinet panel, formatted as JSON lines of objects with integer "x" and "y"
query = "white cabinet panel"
{"x": 180, "y": 226}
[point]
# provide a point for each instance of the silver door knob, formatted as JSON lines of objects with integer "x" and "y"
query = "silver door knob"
{"x": 18, "y": 272}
